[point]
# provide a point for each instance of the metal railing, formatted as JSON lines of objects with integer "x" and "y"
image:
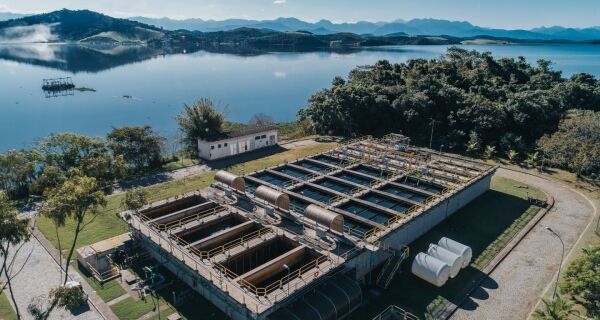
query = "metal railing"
{"x": 395, "y": 313}
{"x": 279, "y": 284}
{"x": 185, "y": 220}
{"x": 231, "y": 244}
{"x": 106, "y": 275}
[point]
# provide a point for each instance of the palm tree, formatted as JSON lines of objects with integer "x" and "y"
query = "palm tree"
{"x": 558, "y": 309}
{"x": 200, "y": 120}
{"x": 512, "y": 155}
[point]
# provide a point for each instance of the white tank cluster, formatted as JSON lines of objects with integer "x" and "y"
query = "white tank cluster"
{"x": 442, "y": 261}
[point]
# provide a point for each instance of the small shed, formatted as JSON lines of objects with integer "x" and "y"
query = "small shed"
{"x": 96, "y": 258}
{"x": 236, "y": 142}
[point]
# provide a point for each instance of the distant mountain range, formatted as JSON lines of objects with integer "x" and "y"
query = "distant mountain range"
{"x": 431, "y": 27}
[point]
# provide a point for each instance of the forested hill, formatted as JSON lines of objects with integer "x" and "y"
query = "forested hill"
{"x": 479, "y": 104}
{"x": 94, "y": 28}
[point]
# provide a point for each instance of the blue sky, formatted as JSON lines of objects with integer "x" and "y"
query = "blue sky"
{"x": 511, "y": 14}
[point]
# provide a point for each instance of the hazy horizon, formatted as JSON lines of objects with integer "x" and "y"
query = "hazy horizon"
{"x": 509, "y": 14}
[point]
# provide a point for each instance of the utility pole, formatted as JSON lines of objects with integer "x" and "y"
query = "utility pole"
{"x": 561, "y": 259}
{"x": 431, "y": 136}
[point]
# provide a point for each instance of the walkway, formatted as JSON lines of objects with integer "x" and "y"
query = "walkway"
{"x": 40, "y": 274}
{"x": 515, "y": 286}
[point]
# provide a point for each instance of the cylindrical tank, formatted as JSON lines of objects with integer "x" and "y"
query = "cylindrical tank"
{"x": 453, "y": 260}
{"x": 430, "y": 269}
{"x": 464, "y": 251}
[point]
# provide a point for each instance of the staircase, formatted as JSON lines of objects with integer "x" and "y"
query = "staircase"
{"x": 391, "y": 266}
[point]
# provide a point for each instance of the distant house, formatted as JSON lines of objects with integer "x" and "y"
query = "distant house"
{"x": 236, "y": 142}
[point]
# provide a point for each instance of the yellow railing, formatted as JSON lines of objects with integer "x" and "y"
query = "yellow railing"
{"x": 197, "y": 216}
{"x": 231, "y": 244}
{"x": 285, "y": 279}
{"x": 103, "y": 276}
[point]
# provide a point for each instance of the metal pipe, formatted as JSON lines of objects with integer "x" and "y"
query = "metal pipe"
{"x": 561, "y": 259}
{"x": 285, "y": 266}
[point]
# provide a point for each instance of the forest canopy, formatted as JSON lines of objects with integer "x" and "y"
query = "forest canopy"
{"x": 475, "y": 101}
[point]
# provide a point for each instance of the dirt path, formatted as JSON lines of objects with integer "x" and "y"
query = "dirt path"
{"x": 514, "y": 287}
{"x": 179, "y": 174}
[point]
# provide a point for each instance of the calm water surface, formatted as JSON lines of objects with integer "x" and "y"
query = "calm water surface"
{"x": 137, "y": 88}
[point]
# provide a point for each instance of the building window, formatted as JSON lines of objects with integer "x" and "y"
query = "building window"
{"x": 225, "y": 144}
{"x": 257, "y": 138}
{"x": 212, "y": 147}
{"x": 219, "y": 146}
{"x": 263, "y": 136}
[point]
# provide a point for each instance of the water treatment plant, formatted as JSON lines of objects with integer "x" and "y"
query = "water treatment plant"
{"x": 302, "y": 239}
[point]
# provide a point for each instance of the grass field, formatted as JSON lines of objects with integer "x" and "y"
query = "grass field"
{"x": 486, "y": 224}
{"x": 6, "y": 310}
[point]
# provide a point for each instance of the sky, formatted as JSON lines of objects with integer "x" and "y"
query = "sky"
{"x": 508, "y": 14}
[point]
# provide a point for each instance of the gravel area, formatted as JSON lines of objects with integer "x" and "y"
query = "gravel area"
{"x": 39, "y": 275}
{"x": 515, "y": 286}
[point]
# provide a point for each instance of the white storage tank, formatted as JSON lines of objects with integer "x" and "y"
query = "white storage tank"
{"x": 430, "y": 269}
{"x": 464, "y": 251}
{"x": 453, "y": 260}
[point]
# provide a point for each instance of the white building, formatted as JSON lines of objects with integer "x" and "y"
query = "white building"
{"x": 236, "y": 142}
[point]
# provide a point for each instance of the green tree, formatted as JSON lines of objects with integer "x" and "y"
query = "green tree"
{"x": 68, "y": 297}
{"x": 558, "y": 309}
{"x": 139, "y": 146}
{"x": 13, "y": 231}
{"x": 575, "y": 145}
{"x": 475, "y": 99}
{"x": 512, "y": 155}
{"x": 489, "y": 152}
{"x": 91, "y": 155}
{"x": 581, "y": 280}
{"x": 533, "y": 160}
{"x": 200, "y": 120}
{"x": 17, "y": 172}
{"x": 77, "y": 198}
{"x": 135, "y": 199}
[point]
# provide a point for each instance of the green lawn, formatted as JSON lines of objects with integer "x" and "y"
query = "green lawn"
{"x": 486, "y": 225}
{"x": 6, "y": 310}
{"x": 131, "y": 309}
{"x": 108, "y": 290}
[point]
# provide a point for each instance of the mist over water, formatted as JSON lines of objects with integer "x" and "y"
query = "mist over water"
{"x": 38, "y": 33}
{"x": 138, "y": 86}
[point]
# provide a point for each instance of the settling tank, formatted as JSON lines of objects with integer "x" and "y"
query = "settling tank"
{"x": 430, "y": 269}
{"x": 464, "y": 251}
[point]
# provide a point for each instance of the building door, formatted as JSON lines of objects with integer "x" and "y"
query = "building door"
{"x": 271, "y": 140}
{"x": 233, "y": 148}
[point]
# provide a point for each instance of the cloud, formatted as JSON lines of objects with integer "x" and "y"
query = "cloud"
{"x": 279, "y": 1}
{"x": 4, "y": 8}
{"x": 280, "y": 74}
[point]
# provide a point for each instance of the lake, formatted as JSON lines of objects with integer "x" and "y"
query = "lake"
{"x": 134, "y": 86}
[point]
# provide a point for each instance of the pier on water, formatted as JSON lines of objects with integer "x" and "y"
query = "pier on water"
{"x": 58, "y": 87}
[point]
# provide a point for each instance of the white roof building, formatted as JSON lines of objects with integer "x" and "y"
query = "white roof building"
{"x": 236, "y": 142}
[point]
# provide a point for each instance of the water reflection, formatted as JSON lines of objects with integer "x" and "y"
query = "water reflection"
{"x": 77, "y": 58}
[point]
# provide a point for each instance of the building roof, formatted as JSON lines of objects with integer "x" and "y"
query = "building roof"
{"x": 249, "y": 130}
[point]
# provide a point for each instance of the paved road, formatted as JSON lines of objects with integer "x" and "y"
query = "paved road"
{"x": 514, "y": 287}
{"x": 39, "y": 275}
